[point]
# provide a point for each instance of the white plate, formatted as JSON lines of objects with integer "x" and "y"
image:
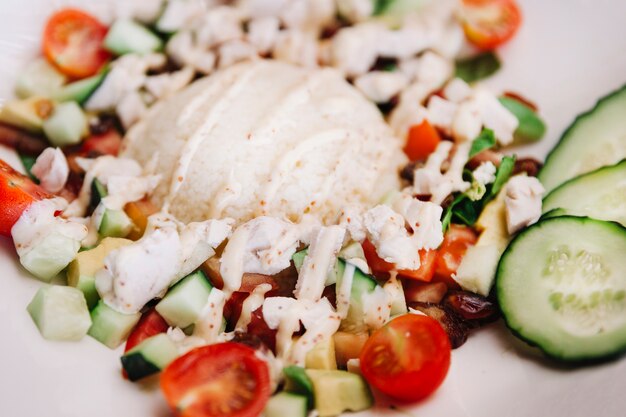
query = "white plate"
{"x": 568, "y": 53}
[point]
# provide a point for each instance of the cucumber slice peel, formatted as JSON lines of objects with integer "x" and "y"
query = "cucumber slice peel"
{"x": 149, "y": 357}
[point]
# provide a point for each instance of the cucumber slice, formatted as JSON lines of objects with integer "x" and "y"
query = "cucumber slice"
{"x": 530, "y": 127}
{"x": 594, "y": 139}
{"x": 600, "y": 194}
{"x": 79, "y": 91}
{"x": 110, "y": 327}
{"x": 149, "y": 357}
{"x": 298, "y": 382}
{"x": 127, "y": 36}
{"x": 115, "y": 223}
{"x": 183, "y": 304}
{"x": 67, "y": 125}
{"x": 39, "y": 78}
{"x": 60, "y": 313}
{"x": 561, "y": 286}
{"x": 286, "y": 404}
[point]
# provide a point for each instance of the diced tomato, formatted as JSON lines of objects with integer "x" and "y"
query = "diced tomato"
{"x": 220, "y": 380}
{"x": 259, "y": 328}
{"x": 107, "y": 143}
{"x": 138, "y": 212}
{"x": 408, "y": 358}
{"x": 378, "y": 265}
{"x": 17, "y": 192}
{"x": 150, "y": 324}
{"x": 72, "y": 41}
{"x": 490, "y": 23}
{"x": 455, "y": 243}
{"x": 422, "y": 141}
{"x": 232, "y": 309}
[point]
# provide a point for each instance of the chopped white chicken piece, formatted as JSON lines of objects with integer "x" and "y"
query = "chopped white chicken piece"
{"x": 145, "y": 11}
{"x": 181, "y": 48}
{"x": 263, "y": 245}
{"x": 406, "y": 114}
{"x": 318, "y": 262}
{"x": 355, "y": 11}
{"x": 381, "y": 86}
{"x": 296, "y": 47}
{"x": 387, "y": 232}
{"x": 354, "y": 49}
{"x": 164, "y": 85}
{"x": 168, "y": 250}
{"x": 351, "y": 219}
{"x": 130, "y": 109}
{"x": 522, "y": 201}
{"x": 457, "y": 90}
{"x": 467, "y": 122}
{"x": 485, "y": 173}
{"x": 51, "y": 169}
{"x": 308, "y": 15}
{"x": 263, "y": 32}
{"x": 450, "y": 42}
{"x": 179, "y": 14}
{"x": 432, "y": 70}
{"x": 441, "y": 112}
{"x": 423, "y": 220}
{"x": 262, "y": 8}
{"x": 205, "y": 62}
{"x": 220, "y": 24}
{"x": 496, "y": 117}
{"x": 235, "y": 51}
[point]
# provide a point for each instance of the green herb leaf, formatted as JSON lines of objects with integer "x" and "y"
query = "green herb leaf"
{"x": 380, "y": 6}
{"x": 531, "y": 127}
{"x": 28, "y": 161}
{"x": 477, "y": 67}
{"x": 502, "y": 174}
{"x": 485, "y": 140}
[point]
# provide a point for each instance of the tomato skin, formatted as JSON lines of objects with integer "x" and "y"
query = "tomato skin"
{"x": 107, "y": 143}
{"x": 425, "y": 272}
{"x": 490, "y": 23}
{"x": 17, "y": 193}
{"x": 422, "y": 141}
{"x": 72, "y": 42}
{"x": 455, "y": 243}
{"x": 201, "y": 382}
{"x": 408, "y": 358}
{"x": 150, "y": 324}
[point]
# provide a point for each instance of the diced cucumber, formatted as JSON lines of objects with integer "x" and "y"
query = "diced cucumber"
{"x": 298, "y": 382}
{"x": 60, "y": 313}
{"x": 397, "y": 8}
{"x": 27, "y": 114}
{"x": 50, "y": 256}
{"x": 561, "y": 286}
{"x": 67, "y": 125}
{"x": 98, "y": 192}
{"x": 111, "y": 327}
{"x": 149, "y": 357}
{"x": 339, "y": 391}
{"x": 298, "y": 258}
{"x": 127, "y": 36}
{"x": 286, "y": 404}
{"x": 361, "y": 284}
{"x": 530, "y": 127}
{"x": 594, "y": 139}
{"x": 184, "y": 302}
{"x": 79, "y": 91}
{"x": 115, "y": 223}
{"x": 39, "y": 78}
{"x": 600, "y": 194}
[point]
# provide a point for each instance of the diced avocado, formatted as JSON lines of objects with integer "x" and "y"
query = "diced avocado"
{"x": 398, "y": 301}
{"x": 115, "y": 223}
{"x": 339, "y": 391}
{"x": 111, "y": 327}
{"x": 286, "y": 404}
{"x": 67, "y": 125}
{"x": 81, "y": 272}
{"x": 27, "y": 114}
{"x": 79, "y": 91}
{"x": 149, "y": 357}
{"x": 127, "y": 36}
{"x": 322, "y": 356}
{"x": 184, "y": 302}
{"x": 60, "y": 313}
{"x": 39, "y": 78}
{"x": 50, "y": 256}
{"x": 298, "y": 382}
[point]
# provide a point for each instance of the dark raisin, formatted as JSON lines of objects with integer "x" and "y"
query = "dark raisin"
{"x": 528, "y": 165}
{"x": 472, "y": 307}
{"x": 408, "y": 170}
{"x": 103, "y": 123}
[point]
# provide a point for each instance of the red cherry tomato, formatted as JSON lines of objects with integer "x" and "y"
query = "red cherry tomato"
{"x": 408, "y": 358}
{"x": 221, "y": 380}
{"x": 424, "y": 273}
{"x": 107, "y": 143}
{"x": 17, "y": 192}
{"x": 422, "y": 141}
{"x": 72, "y": 41}
{"x": 150, "y": 324}
{"x": 455, "y": 243}
{"x": 490, "y": 23}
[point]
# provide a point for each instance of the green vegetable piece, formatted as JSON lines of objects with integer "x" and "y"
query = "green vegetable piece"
{"x": 183, "y": 304}
{"x": 28, "y": 161}
{"x": 67, "y": 125}
{"x": 531, "y": 127}
{"x": 477, "y": 67}
{"x": 111, "y": 327}
{"x": 127, "y": 36}
{"x": 502, "y": 174}
{"x": 79, "y": 91}
{"x": 298, "y": 382}
{"x": 486, "y": 140}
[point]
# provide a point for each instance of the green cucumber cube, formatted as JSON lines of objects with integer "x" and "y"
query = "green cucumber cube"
{"x": 39, "y": 78}
{"x": 127, "y": 36}
{"x": 115, "y": 223}
{"x": 79, "y": 91}
{"x": 286, "y": 404}
{"x": 149, "y": 357}
{"x": 111, "y": 327}
{"x": 67, "y": 125}
{"x": 60, "y": 313}
{"x": 183, "y": 304}
{"x": 50, "y": 256}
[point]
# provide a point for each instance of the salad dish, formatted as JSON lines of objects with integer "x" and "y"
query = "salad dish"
{"x": 301, "y": 207}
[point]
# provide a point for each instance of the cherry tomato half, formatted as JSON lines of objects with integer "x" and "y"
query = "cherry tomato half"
{"x": 455, "y": 243}
{"x": 221, "y": 380}
{"x": 72, "y": 41}
{"x": 17, "y": 192}
{"x": 490, "y": 23}
{"x": 408, "y": 358}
